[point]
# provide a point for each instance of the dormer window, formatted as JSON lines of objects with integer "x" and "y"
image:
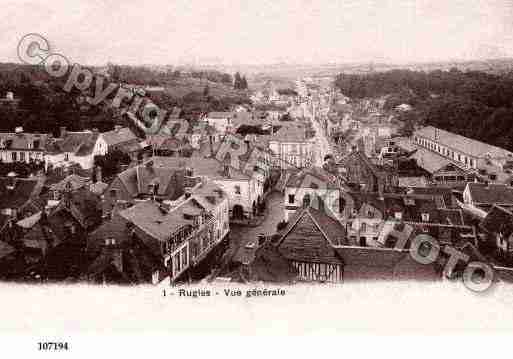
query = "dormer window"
{"x": 425, "y": 217}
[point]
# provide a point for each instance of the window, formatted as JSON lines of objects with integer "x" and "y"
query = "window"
{"x": 291, "y": 198}
{"x": 184, "y": 257}
{"x": 363, "y": 227}
{"x": 398, "y": 215}
{"x": 22, "y": 156}
{"x": 66, "y": 157}
{"x": 113, "y": 193}
{"x": 14, "y": 156}
{"x": 425, "y": 217}
{"x": 306, "y": 200}
{"x": 237, "y": 189}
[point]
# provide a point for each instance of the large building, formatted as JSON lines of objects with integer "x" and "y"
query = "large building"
{"x": 154, "y": 240}
{"x": 486, "y": 162}
{"x": 293, "y": 144}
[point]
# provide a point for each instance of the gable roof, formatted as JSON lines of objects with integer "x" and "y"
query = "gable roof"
{"x": 330, "y": 228}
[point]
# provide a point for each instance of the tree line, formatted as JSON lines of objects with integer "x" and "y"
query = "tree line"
{"x": 472, "y": 103}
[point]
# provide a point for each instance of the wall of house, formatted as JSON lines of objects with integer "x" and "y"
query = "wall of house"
{"x": 329, "y": 197}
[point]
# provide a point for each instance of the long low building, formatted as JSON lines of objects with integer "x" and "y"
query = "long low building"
{"x": 490, "y": 163}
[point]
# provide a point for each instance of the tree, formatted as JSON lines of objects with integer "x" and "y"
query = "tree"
{"x": 244, "y": 83}
{"x": 237, "y": 81}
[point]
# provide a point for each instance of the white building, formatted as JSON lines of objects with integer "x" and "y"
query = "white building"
{"x": 23, "y": 147}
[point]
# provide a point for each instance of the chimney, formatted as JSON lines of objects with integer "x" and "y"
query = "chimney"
{"x": 9, "y": 96}
{"x": 98, "y": 174}
{"x": 18, "y": 130}
{"x": 63, "y": 131}
{"x": 113, "y": 249}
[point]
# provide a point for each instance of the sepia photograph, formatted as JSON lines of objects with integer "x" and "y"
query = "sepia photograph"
{"x": 230, "y": 169}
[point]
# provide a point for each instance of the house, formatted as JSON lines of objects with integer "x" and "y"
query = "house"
{"x": 367, "y": 176}
{"x": 221, "y": 121}
{"x": 52, "y": 243}
{"x": 293, "y": 144}
{"x": 244, "y": 188}
{"x": 488, "y": 163}
{"x": 317, "y": 247}
{"x": 75, "y": 147}
{"x": 371, "y": 217}
{"x": 482, "y": 197}
{"x": 498, "y": 227}
{"x": 8, "y": 260}
{"x": 146, "y": 181}
{"x": 23, "y": 147}
{"x": 178, "y": 235}
{"x": 19, "y": 198}
{"x": 312, "y": 187}
{"x": 120, "y": 139}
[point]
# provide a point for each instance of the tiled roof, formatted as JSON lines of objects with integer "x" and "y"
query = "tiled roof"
{"x": 491, "y": 194}
{"x": 24, "y": 190}
{"x": 412, "y": 182}
{"x": 78, "y": 143}
{"x": 291, "y": 132}
{"x": 300, "y": 179}
{"x": 115, "y": 228}
{"x": 118, "y": 136}
{"x": 411, "y": 206}
{"x": 498, "y": 220}
{"x": 209, "y": 167}
{"x": 137, "y": 179}
{"x": 160, "y": 223}
{"x": 24, "y": 141}
{"x": 330, "y": 228}
{"x": 429, "y": 160}
{"x": 75, "y": 181}
{"x": 463, "y": 144}
{"x": 58, "y": 222}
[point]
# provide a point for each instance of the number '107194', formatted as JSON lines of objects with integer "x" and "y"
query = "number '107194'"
{"x": 52, "y": 346}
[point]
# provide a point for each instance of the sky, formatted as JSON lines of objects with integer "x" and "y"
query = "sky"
{"x": 95, "y": 32}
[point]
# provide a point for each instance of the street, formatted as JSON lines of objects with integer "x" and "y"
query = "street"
{"x": 240, "y": 236}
